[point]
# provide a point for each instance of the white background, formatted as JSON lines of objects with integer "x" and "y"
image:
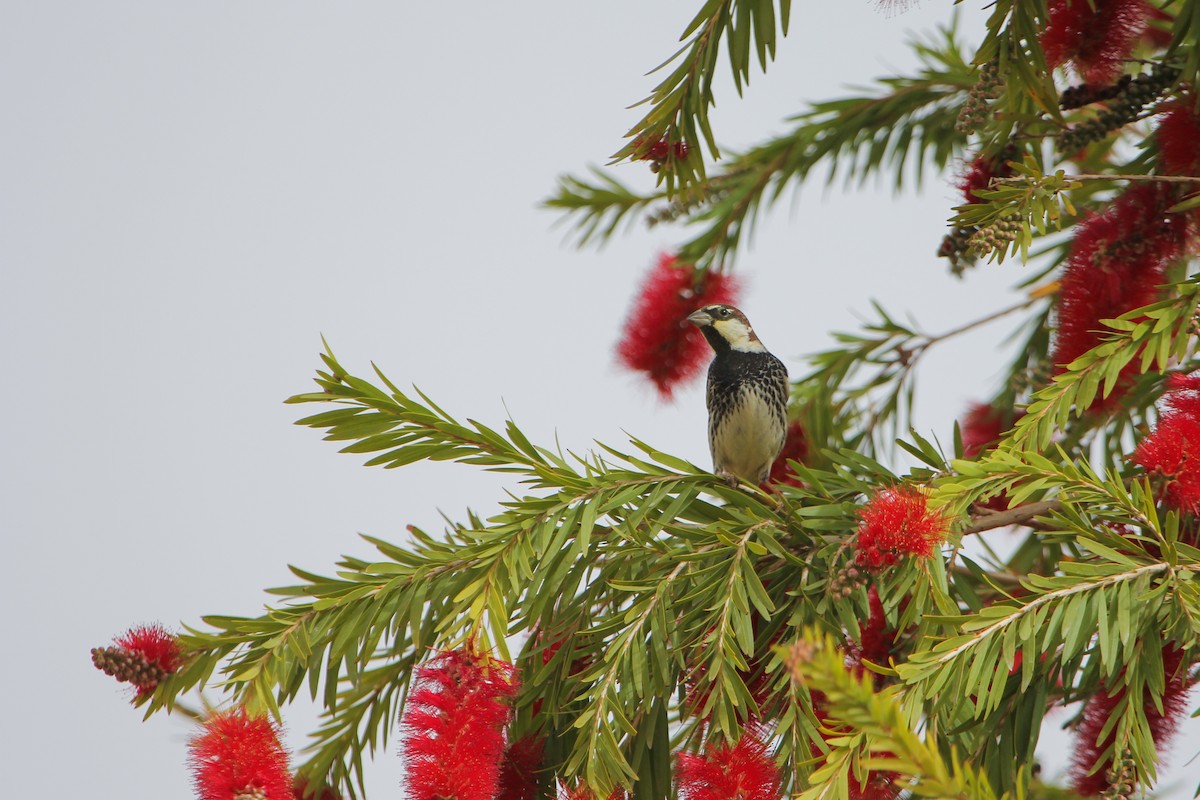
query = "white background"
{"x": 190, "y": 193}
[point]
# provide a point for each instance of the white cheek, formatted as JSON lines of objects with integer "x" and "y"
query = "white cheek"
{"x": 738, "y": 335}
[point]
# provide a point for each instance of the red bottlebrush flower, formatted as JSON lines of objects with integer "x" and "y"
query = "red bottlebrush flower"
{"x": 1158, "y": 36}
{"x": 981, "y": 429}
{"x": 143, "y": 656}
{"x": 658, "y": 339}
{"x": 983, "y": 426}
{"x": 876, "y": 641}
{"x": 1178, "y": 135}
{"x": 158, "y": 645}
{"x": 1184, "y": 391}
{"x": 1115, "y": 265}
{"x": 1090, "y": 777}
{"x": 745, "y": 771}
{"x": 519, "y": 772}
{"x": 454, "y": 726}
{"x": 897, "y": 522}
{"x": 795, "y": 448}
{"x": 1165, "y": 724}
{"x": 1095, "y": 36}
{"x": 239, "y": 757}
{"x": 979, "y": 174}
{"x": 878, "y": 785}
{"x": 1172, "y": 449}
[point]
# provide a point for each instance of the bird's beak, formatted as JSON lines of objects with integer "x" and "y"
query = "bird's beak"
{"x": 700, "y": 318}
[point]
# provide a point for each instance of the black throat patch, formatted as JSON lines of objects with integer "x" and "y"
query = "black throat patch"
{"x": 715, "y": 339}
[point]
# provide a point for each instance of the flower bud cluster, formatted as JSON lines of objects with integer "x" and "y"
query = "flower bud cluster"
{"x": 1123, "y": 107}
{"x": 128, "y": 666}
{"x": 976, "y": 111}
{"x": 143, "y": 656}
{"x": 995, "y": 236}
{"x": 846, "y": 580}
{"x": 956, "y": 248}
{"x": 1085, "y": 93}
{"x": 1121, "y": 777}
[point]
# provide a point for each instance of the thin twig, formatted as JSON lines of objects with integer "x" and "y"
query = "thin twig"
{"x": 1032, "y": 298}
{"x": 1084, "y": 176}
{"x": 1013, "y": 516}
{"x": 1006, "y": 578}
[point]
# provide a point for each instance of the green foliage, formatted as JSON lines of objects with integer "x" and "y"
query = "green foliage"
{"x": 656, "y": 568}
{"x": 873, "y": 730}
{"x": 666, "y": 589}
{"x": 679, "y": 104}
{"x": 1036, "y": 203}
{"x": 904, "y": 127}
{"x": 1154, "y": 337}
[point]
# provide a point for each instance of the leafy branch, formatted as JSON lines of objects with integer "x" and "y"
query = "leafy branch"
{"x": 601, "y": 205}
{"x": 870, "y": 730}
{"x": 888, "y": 352}
{"x": 907, "y": 126}
{"x": 679, "y": 104}
{"x": 1013, "y": 209}
{"x": 630, "y": 540}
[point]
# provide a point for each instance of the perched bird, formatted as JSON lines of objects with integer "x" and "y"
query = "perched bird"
{"x": 747, "y": 396}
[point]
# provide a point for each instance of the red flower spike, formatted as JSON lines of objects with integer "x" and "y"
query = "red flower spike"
{"x": 1095, "y": 36}
{"x": 897, "y": 522}
{"x": 1172, "y": 449}
{"x": 878, "y": 785}
{"x": 519, "y": 771}
{"x": 1165, "y": 724}
{"x": 155, "y": 643}
{"x": 795, "y": 448}
{"x": 239, "y": 757}
{"x": 745, "y": 771}
{"x": 981, "y": 429}
{"x": 1158, "y": 36}
{"x": 1090, "y": 749}
{"x": 979, "y": 175}
{"x": 983, "y": 426}
{"x": 876, "y": 640}
{"x": 143, "y": 656}
{"x": 454, "y": 726}
{"x": 1178, "y": 135}
{"x": 658, "y": 339}
{"x": 1116, "y": 264}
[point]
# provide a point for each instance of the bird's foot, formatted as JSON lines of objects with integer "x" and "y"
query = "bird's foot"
{"x": 730, "y": 479}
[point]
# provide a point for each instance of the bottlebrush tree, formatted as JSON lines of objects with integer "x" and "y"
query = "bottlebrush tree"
{"x": 631, "y": 626}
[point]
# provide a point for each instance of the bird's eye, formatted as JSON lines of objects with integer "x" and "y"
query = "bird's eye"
{"x": 724, "y": 312}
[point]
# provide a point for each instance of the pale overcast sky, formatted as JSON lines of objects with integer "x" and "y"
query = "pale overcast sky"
{"x": 192, "y": 192}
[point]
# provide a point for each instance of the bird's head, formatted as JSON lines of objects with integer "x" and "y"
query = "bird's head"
{"x": 726, "y": 328}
